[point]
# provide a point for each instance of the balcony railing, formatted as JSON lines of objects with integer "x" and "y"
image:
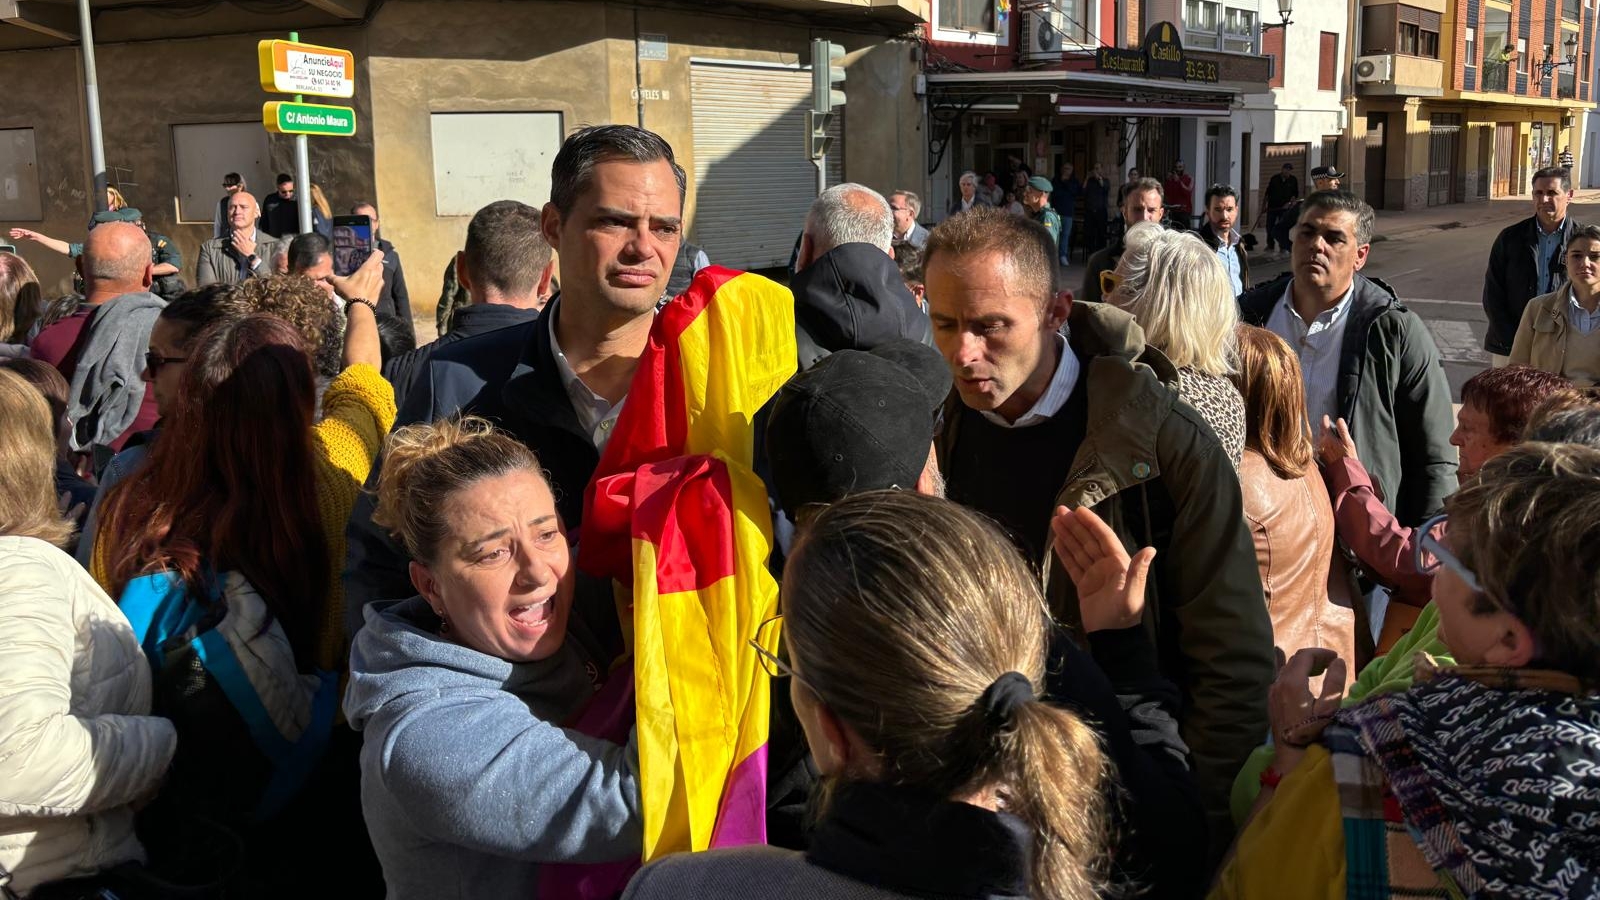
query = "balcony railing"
{"x": 1496, "y": 76}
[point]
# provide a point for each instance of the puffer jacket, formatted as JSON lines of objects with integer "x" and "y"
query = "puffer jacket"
{"x": 77, "y": 744}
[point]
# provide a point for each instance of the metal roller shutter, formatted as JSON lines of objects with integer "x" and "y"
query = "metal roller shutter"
{"x": 753, "y": 179}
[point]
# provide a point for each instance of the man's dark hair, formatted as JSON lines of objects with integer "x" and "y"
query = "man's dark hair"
{"x": 231, "y": 179}
{"x": 505, "y": 249}
{"x": 1341, "y": 201}
{"x": 909, "y": 261}
{"x": 284, "y": 178}
{"x": 1220, "y": 190}
{"x": 574, "y": 165}
{"x": 1141, "y": 186}
{"x": 195, "y": 311}
{"x": 1561, "y": 172}
{"x": 306, "y": 249}
{"x": 355, "y": 208}
{"x": 394, "y": 338}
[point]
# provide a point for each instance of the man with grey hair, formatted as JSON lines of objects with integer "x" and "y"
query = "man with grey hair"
{"x": 907, "y": 208}
{"x": 846, "y": 214}
{"x": 848, "y": 293}
{"x": 968, "y": 195}
{"x": 100, "y": 348}
{"x": 1528, "y": 259}
{"x": 1364, "y": 357}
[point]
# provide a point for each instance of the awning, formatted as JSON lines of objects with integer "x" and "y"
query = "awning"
{"x": 1084, "y": 92}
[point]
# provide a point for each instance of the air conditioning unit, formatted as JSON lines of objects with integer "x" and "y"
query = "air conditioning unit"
{"x": 1042, "y": 30}
{"x": 1375, "y": 69}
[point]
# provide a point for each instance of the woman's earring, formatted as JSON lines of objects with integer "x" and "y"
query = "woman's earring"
{"x": 444, "y": 623}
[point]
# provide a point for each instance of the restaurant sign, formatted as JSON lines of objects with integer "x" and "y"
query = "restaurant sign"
{"x": 1160, "y": 57}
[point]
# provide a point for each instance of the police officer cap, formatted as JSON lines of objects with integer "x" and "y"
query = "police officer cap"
{"x": 1040, "y": 183}
{"x": 126, "y": 214}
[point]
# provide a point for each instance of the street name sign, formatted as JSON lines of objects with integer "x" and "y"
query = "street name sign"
{"x": 282, "y": 117}
{"x": 290, "y": 67}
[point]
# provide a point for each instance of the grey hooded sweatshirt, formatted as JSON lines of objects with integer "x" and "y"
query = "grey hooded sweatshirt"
{"x": 468, "y": 782}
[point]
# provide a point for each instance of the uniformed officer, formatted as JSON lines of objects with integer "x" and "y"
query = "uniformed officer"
{"x": 165, "y": 257}
{"x": 1036, "y": 200}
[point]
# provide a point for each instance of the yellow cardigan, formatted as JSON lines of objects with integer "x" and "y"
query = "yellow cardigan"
{"x": 357, "y": 412}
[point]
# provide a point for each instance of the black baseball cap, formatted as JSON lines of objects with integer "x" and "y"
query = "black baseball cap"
{"x": 858, "y": 420}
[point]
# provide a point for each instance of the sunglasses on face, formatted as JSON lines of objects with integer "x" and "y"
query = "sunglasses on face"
{"x": 153, "y": 361}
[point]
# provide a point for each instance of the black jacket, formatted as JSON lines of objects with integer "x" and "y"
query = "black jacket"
{"x": 852, "y": 298}
{"x": 1209, "y": 235}
{"x": 1392, "y": 392}
{"x": 1103, "y": 260}
{"x": 509, "y": 377}
{"x": 402, "y": 370}
{"x": 1282, "y": 190}
{"x": 1512, "y": 278}
{"x": 395, "y": 299}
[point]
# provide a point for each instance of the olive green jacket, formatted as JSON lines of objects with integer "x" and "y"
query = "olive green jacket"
{"x": 1154, "y": 470}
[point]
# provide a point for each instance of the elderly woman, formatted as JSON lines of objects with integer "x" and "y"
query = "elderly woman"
{"x": 949, "y": 776}
{"x": 1560, "y": 331}
{"x": 1480, "y": 779}
{"x": 469, "y": 783}
{"x": 1177, "y": 289}
{"x": 79, "y": 749}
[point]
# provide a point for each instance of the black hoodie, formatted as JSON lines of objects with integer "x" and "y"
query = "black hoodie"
{"x": 852, "y": 298}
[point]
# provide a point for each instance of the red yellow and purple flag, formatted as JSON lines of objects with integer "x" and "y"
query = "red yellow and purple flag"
{"x": 678, "y": 518}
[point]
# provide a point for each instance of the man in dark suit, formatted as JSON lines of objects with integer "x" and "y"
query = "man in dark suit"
{"x": 396, "y": 299}
{"x": 556, "y": 382}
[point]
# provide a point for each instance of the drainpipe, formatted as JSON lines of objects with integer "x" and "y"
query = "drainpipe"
{"x": 91, "y": 103}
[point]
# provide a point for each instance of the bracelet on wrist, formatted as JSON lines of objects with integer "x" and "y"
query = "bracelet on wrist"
{"x": 363, "y": 301}
{"x": 1270, "y": 777}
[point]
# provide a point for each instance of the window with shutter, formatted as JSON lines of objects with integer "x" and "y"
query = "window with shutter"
{"x": 1328, "y": 62}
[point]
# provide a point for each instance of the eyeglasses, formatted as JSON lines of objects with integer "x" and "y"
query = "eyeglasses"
{"x": 1109, "y": 282}
{"x": 154, "y": 361}
{"x": 769, "y": 634}
{"x": 1431, "y": 552}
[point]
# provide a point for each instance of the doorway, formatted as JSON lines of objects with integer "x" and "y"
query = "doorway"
{"x": 1444, "y": 143}
{"x": 1377, "y": 158}
{"x": 1505, "y": 158}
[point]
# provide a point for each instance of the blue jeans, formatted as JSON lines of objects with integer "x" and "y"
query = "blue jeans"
{"x": 1065, "y": 247}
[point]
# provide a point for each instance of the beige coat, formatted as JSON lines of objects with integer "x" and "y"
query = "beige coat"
{"x": 78, "y": 747}
{"x": 1547, "y": 342}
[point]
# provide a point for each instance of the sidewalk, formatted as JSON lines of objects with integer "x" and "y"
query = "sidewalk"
{"x": 1393, "y": 225}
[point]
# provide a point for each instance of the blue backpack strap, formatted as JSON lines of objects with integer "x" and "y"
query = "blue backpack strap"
{"x": 291, "y": 762}
{"x": 158, "y": 607}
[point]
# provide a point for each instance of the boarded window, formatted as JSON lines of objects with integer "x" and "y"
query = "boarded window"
{"x": 20, "y": 200}
{"x": 202, "y": 154}
{"x": 1272, "y": 47}
{"x": 479, "y": 158}
{"x": 1328, "y": 62}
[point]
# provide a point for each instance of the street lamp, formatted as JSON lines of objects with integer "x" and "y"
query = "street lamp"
{"x": 1285, "y": 10}
{"x": 1550, "y": 63}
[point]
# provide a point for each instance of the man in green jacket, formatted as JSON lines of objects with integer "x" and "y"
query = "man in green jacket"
{"x": 1041, "y": 418}
{"x": 1365, "y": 357}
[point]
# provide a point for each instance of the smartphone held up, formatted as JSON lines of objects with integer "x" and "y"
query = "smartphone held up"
{"x": 352, "y": 243}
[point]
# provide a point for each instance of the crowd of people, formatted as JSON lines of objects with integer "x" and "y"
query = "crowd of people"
{"x": 1175, "y": 586}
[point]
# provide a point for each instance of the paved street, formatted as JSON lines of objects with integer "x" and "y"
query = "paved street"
{"x": 1435, "y": 261}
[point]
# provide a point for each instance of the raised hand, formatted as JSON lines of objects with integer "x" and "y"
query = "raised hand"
{"x": 1110, "y": 584}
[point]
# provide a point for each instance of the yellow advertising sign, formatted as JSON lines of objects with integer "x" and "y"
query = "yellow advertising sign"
{"x": 289, "y": 67}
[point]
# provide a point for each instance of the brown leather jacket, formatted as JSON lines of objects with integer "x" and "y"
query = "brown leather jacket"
{"x": 1305, "y": 582}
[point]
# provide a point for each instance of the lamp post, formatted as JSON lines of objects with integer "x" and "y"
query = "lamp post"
{"x": 1285, "y": 10}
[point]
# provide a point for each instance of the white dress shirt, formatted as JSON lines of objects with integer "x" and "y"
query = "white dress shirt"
{"x": 597, "y": 415}
{"x": 1055, "y": 395}
{"x": 1318, "y": 344}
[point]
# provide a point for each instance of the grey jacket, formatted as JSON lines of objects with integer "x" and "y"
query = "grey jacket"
{"x": 218, "y": 265}
{"x": 107, "y": 386}
{"x": 1393, "y": 393}
{"x": 467, "y": 782}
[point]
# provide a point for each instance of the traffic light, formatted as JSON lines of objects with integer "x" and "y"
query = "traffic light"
{"x": 827, "y": 92}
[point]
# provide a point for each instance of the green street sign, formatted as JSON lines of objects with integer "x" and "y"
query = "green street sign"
{"x": 283, "y": 117}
